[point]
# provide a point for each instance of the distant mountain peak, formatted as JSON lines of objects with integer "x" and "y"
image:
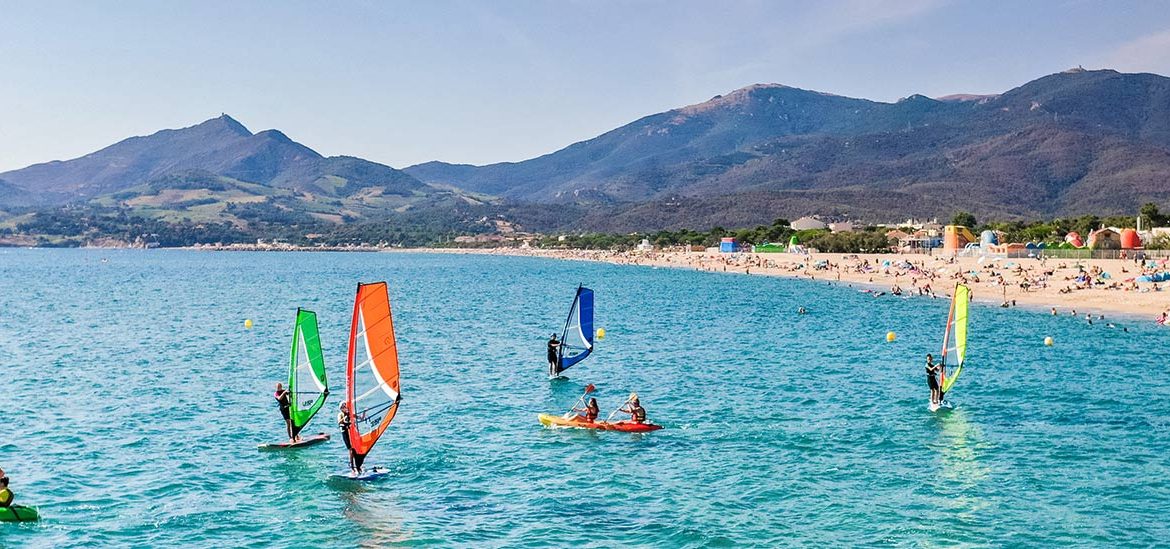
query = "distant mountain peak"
{"x": 275, "y": 135}
{"x": 223, "y": 121}
{"x": 747, "y": 90}
{"x": 742, "y": 97}
{"x": 918, "y": 97}
{"x": 1081, "y": 70}
{"x": 963, "y": 97}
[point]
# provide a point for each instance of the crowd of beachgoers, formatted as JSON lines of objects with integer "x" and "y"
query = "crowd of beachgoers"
{"x": 1062, "y": 286}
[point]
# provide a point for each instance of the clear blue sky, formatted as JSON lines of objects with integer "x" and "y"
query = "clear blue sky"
{"x": 488, "y": 81}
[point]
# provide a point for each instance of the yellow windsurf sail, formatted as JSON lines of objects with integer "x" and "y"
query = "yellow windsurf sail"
{"x": 955, "y": 337}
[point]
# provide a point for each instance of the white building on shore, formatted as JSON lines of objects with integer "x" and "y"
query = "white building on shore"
{"x": 807, "y": 223}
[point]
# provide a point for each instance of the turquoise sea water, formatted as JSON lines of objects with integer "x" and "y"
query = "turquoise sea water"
{"x": 134, "y": 399}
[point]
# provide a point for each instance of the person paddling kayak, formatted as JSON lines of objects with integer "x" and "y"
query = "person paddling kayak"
{"x": 283, "y": 399}
{"x": 584, "y": 415}
{"x": 554, "y": 361}
{"x": 6, "y": 495}
{"x": 635, "y": 409}
{"x": 590, "y": 411}
{"x": 932, "y": 373}
{"x": 343, "y": 423}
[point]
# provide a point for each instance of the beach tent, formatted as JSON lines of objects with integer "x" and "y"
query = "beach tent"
{"x": 728, "y": 245}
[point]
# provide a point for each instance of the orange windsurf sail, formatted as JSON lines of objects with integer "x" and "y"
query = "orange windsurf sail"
{"x": 371, "y": 369}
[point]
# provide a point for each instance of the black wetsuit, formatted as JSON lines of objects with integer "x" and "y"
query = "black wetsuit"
{"x": 554, "y": 363}
{"x": 932, "y": 371}
{"x": 343, "y": 424}
{"x": 282, "y": 398}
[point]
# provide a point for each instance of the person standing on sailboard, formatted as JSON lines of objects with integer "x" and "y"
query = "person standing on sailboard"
{"x": 932, "y": 374}
{"x": 554, "y": 358}
{"x": 343, "y": 423}
{"x": 283, "y": 399}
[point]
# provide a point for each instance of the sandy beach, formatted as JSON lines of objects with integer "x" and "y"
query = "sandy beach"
{"x": 1097, "y": 286}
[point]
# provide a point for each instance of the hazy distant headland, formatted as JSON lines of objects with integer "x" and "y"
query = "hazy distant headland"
{"x": 1065, "y": 145}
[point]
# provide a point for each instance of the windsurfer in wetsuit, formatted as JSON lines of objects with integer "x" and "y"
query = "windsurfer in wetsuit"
{"x": 343, "y": 423}
{"x": 284, "y": 400}
{"x": 932, "y": 372}
{"x": 554, "y": 360}
{"x": 635, "y": 409}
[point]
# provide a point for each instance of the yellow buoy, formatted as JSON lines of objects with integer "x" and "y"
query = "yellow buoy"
{"x": 248, "y": 323}
{"x": 601, "y": 333}
{"x": 891, "y": 336}
{"x": 1048, "y": 341}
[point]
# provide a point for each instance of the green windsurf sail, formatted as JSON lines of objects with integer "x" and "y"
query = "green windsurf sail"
{"x": 306, "y": 372}
{"x": 955, "y": 337}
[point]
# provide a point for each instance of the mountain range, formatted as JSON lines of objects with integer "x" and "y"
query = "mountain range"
{"x": 220, "y": 146}
{"x": 220, "y": 172}
{"x": 1071, "y": 143}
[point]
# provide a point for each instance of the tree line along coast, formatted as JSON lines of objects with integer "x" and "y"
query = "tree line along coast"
{"x": 96, "y": 227}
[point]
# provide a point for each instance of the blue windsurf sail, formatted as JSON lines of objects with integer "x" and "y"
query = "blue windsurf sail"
{"x": 577, "y": 337}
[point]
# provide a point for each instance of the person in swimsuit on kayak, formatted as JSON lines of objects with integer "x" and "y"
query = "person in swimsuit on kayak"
{"x": 635, "y": 409}
{"x": 590, "y": 411}
{"x": 6, "y": 496}
{"x": 554, "y": 362}
{"x": 343, "y": 423}
{"x": 284, "y": 400}
{"x": 932, "y": 372}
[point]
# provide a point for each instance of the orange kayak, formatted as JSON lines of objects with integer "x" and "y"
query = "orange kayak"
{"x": 578, "y": 422}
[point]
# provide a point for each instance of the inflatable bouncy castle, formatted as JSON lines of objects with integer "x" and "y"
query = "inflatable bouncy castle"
{"x": 1130, "y": 239}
